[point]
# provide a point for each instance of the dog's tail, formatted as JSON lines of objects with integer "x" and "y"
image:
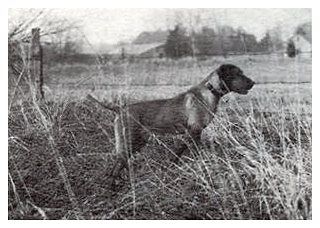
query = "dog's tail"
{"x": 108, "y": 106}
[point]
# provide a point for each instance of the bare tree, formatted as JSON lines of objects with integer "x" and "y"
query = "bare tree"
{"x": 53, "y": 29}
{"x": 20, "y": 24}
{"x": 21, "y": 21}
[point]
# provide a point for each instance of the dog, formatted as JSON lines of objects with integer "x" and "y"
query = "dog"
{"x": 187, "y": 113}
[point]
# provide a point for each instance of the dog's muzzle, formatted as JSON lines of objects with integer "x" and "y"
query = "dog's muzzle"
{"x": 249, "y": 86}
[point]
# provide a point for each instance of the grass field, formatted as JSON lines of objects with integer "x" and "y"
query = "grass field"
{"x": 255, "y": 163}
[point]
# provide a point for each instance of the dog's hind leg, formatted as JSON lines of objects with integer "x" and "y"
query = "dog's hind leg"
{"x": 122, "y": 162}
{"x": 118, "y": 133}
{"x": 121, "y": 157}
{"x": 128, "y": 141}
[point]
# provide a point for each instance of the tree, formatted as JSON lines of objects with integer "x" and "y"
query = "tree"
{"x": 224, "y": 39}
{"x": 178, "y": 44}
{"x": 22, "y": 20}
{"x": 265, "y": 43}
{"x": 276, "y": 38}
{"x": 59, "y": 35}
{"x": 251, "y": 43}
{"x": 238, "y": 42}
{"x": 291, "y": 49}
{"x": 205, "y": 41}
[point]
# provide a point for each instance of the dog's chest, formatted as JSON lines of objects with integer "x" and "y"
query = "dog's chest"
{"x": 208, "y": 98}
{"x": 210, "y": 101}
{"x": 200, "y": 109}
{"x": 210, "y": 106}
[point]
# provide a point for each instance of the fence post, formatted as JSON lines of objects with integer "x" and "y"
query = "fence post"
{"x": 36, "y": 64}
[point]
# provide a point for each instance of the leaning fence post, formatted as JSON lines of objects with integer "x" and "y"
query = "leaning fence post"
{"x": 36, "y": 64}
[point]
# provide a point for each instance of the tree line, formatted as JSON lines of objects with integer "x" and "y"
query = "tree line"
{"x": 221, "y": 41}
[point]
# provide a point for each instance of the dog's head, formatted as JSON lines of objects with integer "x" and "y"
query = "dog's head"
{"x": 232, "y": 79}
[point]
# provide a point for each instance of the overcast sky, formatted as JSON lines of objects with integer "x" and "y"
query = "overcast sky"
{"x": 113, "y": 25}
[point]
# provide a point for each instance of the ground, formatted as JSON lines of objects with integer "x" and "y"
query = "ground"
{"x": 255, "y": 162}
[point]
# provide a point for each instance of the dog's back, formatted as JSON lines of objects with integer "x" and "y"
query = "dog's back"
{"x": 159, "y": 116}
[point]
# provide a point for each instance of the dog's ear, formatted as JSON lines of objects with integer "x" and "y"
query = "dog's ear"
{"x": 225, "y": 75}
{"x": 223, "y": 71}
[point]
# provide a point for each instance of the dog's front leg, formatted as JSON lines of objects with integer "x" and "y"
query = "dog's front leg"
{"x": 195, "y": 140}
{"x": 192, "y": 142}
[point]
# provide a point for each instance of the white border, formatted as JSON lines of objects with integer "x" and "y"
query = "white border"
{"x": 160, "y": 4}
{"x": 157, "y": 4}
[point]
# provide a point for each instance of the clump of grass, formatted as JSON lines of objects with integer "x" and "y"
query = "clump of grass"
{"x": 79, "y": 145}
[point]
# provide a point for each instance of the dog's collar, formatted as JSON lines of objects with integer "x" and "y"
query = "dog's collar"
{"x": 214, "y": 91}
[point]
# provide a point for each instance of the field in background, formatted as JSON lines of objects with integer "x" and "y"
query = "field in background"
{"x": 165, "y": 77}
{"x": 256, "y": 163}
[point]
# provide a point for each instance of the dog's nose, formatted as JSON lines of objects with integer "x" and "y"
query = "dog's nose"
{"x": 251, "y": 84}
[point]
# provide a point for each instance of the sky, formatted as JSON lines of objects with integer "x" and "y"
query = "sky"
{"x": 110, "y": 26}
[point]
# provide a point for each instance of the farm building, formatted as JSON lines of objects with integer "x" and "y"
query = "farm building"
{"x": 301, "y": 43}
{"x": 155, "y": 52}
{"x": 303, "y": 38}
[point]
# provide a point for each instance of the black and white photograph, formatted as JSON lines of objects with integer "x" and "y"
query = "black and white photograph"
{"x": 159, "y": 113}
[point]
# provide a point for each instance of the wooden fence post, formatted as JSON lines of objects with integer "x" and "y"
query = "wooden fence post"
{"x": 36, "y": 64}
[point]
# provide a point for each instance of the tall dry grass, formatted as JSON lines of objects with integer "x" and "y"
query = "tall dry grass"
{"x": 255, "y": 163}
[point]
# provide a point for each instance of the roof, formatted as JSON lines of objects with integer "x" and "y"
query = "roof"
{"x": 305, "y": 30}
{"x": 301, "y": 43}
{"x": 134, "y": 49}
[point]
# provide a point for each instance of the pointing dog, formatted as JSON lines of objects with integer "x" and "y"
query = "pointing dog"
{"x": 187, "y": 113}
